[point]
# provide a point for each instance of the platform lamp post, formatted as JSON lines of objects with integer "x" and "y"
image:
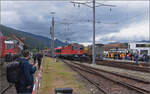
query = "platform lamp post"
{"x": 93, "y": 7}
{"x": 52, "y": 36}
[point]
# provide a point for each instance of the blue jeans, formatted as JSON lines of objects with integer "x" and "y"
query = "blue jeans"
{"x": 136, "y": 61}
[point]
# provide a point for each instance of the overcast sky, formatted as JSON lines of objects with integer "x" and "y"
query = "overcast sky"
{"x": 128, "y": 21}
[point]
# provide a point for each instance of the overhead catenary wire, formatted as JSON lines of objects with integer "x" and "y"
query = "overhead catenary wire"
{"x": 86, "y": 21}
{"x": 93, "y": 7}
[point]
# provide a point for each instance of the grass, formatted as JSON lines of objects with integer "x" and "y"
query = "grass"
{"x": 57, "y": 75}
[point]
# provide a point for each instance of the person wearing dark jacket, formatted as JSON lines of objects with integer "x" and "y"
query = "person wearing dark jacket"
{"x": 34, "y": 57}
{"x": 26, "y": 80}
{"x": 39, "y": 58}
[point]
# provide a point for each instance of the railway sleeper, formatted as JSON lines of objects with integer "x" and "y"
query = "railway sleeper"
{"x": 143, "y": 91}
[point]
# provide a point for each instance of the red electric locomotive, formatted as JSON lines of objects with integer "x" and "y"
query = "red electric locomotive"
{"x": 11, "y": 48}
{"x": 70, "y": 51}
{"x": 2, "y": 46}
{"x": 58, "y": 51}
{"x": 8, "y": 49}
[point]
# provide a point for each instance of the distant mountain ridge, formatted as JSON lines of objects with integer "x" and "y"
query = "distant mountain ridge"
{"x": 146, "y": 41}
{"x": 32, "y": 41}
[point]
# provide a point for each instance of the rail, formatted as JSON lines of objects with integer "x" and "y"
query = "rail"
{"x": 94, "y": 71}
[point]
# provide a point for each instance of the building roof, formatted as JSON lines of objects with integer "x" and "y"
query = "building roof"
{"x": 139, "y": 42}
{"x": 114, "y": 46}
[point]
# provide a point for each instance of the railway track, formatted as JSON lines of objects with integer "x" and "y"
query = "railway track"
{"x": 4, "y": 90}
{"x": 128, "y": 66}
{"x": 102, "y": 80}
{"x": 5, "y": 87}
{"x": 145, "y": 67}
{"x": 126, "y": 62}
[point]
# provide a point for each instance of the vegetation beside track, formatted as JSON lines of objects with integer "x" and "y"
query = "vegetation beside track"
{"x": 57, "y": 75}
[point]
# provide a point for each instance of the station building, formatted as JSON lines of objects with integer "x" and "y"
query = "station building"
{"x": 141, "y": 47}
{"x": 115, "y": 47}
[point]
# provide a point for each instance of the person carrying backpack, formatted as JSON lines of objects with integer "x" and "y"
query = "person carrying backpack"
{"x": 24, "y": 80}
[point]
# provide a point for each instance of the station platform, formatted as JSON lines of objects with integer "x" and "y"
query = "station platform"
{"x": 134, "y": 74}
{"x": 55, "y": 74}
{"x": 118, "y": 60}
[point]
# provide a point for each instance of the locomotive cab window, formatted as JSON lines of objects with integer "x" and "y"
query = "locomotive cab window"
{"x": 9, "y": 46}
{"x": 81, "y": 48}
{"x": 58, "y": 50}
{"x": 75, "y": 47}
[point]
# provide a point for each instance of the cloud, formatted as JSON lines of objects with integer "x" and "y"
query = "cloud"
{"x": 35, "y": 17}
{"x": 134, "y": 32}
{"x": 6, "y": 18}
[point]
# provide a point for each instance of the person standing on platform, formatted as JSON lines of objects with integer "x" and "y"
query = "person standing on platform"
{"x": 39, "y": 58}
{"x": 145, "y": 57}
{"x": 34, "y": 57}
{"x": 136, "y": 56}
{"x": 26, "y": 80}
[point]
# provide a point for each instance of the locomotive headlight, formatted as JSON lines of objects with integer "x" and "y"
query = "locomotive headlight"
{"x": 83, "y": 55}
{"x": 76, "y": 56}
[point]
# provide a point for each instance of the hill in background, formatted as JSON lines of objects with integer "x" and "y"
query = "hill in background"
{"x": 32, "y": 41}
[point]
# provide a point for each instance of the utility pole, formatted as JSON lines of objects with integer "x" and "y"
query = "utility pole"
{"x": 51, "y": 40}
{"x": 52, "y": 37}
{"x": 93, "y": 47}
{"x": 93, "y": 7}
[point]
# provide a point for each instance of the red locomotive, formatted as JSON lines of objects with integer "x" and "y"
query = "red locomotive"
{"x": 9, "y": 49}
{"x": 2, "y": 46}
{"x": 70, "y": 51}
{"x": 78, "y": 51}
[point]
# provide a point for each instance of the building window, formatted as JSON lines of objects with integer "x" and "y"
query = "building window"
{"x": 142, "y": 45}
{"x": 144, "y": 52}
